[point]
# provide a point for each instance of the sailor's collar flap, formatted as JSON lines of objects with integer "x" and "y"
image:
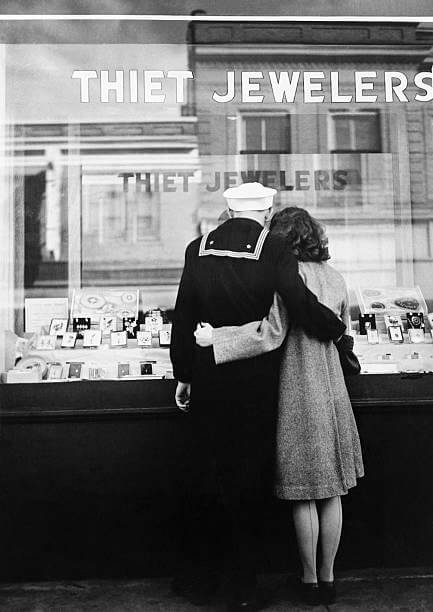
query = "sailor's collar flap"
{"x": 216, "y": 243}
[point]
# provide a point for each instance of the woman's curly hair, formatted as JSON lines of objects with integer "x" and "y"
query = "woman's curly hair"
{"x": 304, "y": 233}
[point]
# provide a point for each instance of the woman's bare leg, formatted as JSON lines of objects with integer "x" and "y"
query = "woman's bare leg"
{"x": 307, "y": 532}
{"x": 330, "y": 521}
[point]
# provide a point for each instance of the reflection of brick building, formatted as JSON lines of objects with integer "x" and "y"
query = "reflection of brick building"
{"x": 383, "y": 149}
{"x": 111, "y": 204}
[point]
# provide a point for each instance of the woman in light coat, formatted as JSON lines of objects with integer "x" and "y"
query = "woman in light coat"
{"x": 318, "y": 449}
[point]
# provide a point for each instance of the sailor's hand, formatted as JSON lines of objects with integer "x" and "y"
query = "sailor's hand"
{"x": 182, "y": 396}
{"x": 203, "y": 334}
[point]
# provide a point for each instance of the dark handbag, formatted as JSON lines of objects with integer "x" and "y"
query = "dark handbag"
{"x": 348, "y": 360}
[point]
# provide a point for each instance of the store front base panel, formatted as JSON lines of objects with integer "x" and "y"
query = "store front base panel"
{"x": 92, "y": 476}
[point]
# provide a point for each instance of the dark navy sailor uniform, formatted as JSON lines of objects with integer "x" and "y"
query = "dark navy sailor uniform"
{"x": 229, "y": 278}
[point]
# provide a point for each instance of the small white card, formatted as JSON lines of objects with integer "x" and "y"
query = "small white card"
{"x": 24, "y": 376}
{"x": 395, "y": 333}
{"x": 123, "y": 370}
{"x": 55, "y": 371}
{"x": 107, "y": 324}
{"x": 153, "y": 323}
{"x": 165, "y": 337}
{"x": 393, "y": 321}
{"x": 92, "y": 338}
{"x": 119, "y": 338}
{"x": 416, "y": 335}
{"x": 144, "y": 338}
{"x": 69, "y": 339}
{"x": 58, "y": 327}
{"x": 46, "y": 343}
{"x": 372, "y": 336}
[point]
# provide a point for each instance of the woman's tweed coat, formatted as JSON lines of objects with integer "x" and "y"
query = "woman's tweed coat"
{"x": 318, "y": 449}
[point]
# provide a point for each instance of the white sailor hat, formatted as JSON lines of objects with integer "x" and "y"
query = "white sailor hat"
{"x": 249, "y": 196}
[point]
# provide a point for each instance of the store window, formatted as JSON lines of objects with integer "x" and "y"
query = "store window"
{"x": 102, "y": 196}
{"x": 107, "y": 195}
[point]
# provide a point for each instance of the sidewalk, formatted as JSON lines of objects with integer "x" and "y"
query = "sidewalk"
{"x": 366, "y": 591}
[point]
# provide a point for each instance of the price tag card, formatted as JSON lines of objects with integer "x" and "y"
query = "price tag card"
{"x": 165, "y": 337}
{"x": 372, "y": 336}
{"x": 92, "y": 338}
{"x": 46, "y": 343}
{"x": 153, "y": 323}
{"x": 69, "y": 339}
{"x": 119, "y": 338}
{"x": 144, "y": 338}
{"x": 123, "y": 369}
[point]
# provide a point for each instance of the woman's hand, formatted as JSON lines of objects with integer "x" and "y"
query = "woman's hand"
{"x": 203, "y": 334}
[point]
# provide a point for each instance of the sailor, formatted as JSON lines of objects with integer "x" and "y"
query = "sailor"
{"x": 229, "y": 278}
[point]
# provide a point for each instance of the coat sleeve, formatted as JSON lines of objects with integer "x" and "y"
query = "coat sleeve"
{"x": 345, "y": 308}
{"x": 302, "y": 305}
{"x": 185, "y": 319}
{"x": 252, "y": 339}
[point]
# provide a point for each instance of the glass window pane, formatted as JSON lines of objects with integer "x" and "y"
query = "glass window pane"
{"x": 253, "y": 133}
{"x": 342, "y": 133}
{"x": 44, "y": 250}
{"x": 136, "y": 226}
{"x": 277, "y": 133}
{"x": 110, "y": 193}
{"x": 367, "y": 132}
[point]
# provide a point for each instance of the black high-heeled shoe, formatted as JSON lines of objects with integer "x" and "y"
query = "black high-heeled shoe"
{"x": 306, "y": 592}
{"x": 309, "y": 592}
{"x": 328, "y": 592}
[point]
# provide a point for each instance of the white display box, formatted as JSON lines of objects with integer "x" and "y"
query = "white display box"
{"x": 23, "y": 376}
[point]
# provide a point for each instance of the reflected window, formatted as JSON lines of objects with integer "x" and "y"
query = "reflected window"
{"x": 359, "y": 131}
{"x": 264, "y": 138}
{"x": 265, "y": 133}
{"x": 118, "y": 211}
{"x": 41, "y": 250}
{"x": 148, "y": 216}
{"x": 351, "y": 135}
{"x": 104, "y": 204}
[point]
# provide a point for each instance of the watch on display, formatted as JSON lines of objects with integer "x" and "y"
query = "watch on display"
{"x": 75, "y": 369}
{"x": 394, "y": 327}
{"x": 146, "y": 368}
{"x": 123, "y": 370}
{"x": 130, "y": 325}
{"x": 79, "y": 324}
{"x": 415, "y": 320}
{"x": 415, "y": 327}
{"x": 366, "y": 321}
